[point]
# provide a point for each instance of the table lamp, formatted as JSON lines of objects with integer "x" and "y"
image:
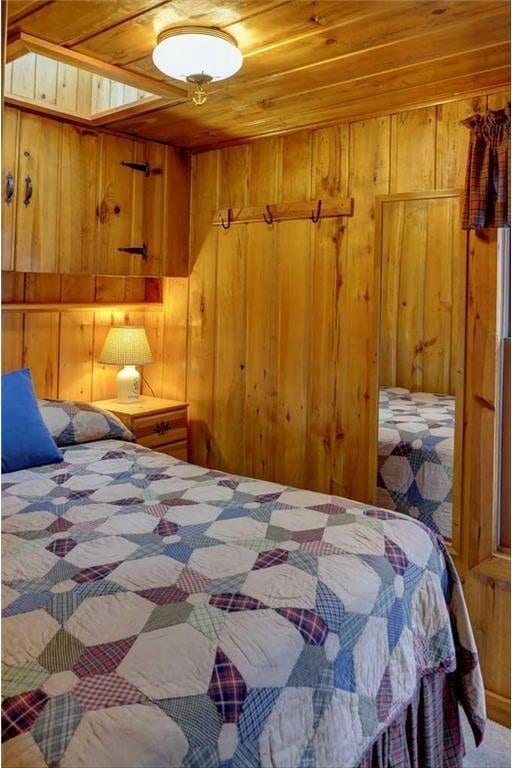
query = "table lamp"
{"x": 128, "y": 346}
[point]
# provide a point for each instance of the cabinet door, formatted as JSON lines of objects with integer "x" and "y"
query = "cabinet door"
{"x": 79, "y": 180}
{"x": 150, "y": 217}
{"x": 10, "y": 190}
{"x": 115, "y": 207}
{"x": 37, "y": 197}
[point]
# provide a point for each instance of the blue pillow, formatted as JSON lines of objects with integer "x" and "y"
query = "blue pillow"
{"x": 26, "y": 441}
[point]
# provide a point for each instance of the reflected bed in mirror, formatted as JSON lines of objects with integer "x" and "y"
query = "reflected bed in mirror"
{"x": 422, "y": 261}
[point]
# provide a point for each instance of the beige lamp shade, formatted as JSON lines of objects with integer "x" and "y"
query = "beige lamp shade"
{"x": 126, "y": 345}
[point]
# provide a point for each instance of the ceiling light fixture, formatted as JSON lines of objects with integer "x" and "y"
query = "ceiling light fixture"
{"x": 197, "y": 55}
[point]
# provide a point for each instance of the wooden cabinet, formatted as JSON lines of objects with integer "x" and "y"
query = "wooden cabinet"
{"x": 156, "y": 423}
{"x": 10, "y": 129}
{"x": 77, "y": 203}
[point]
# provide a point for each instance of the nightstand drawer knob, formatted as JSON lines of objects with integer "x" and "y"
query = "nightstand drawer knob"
{"x": 162, "y": 427}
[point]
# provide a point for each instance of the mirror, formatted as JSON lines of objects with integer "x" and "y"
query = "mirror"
{"x": 422, "y": 261}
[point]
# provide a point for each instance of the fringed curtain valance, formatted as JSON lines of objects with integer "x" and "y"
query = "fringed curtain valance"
{"x": 486, "y": 199}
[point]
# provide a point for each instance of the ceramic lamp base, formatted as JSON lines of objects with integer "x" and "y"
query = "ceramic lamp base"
{"x": 128, "y": 384}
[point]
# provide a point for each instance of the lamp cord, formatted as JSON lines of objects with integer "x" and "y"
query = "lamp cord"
{"x": 148, "y": 385}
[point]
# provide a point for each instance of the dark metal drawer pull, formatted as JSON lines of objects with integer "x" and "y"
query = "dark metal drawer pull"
{"x": 162, "y": 427}
{"x": 28, "y": 190}
{"x": 9, "y": 187}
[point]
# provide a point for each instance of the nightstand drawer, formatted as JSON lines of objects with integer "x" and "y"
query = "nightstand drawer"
{"x": 176, "y": 450}
{"x": 161, "y": 428}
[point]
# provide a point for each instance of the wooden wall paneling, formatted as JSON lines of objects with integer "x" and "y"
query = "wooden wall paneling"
{"x": 23, "y": 76}
{"x": 46, "y": 79}
{"x": 116, "y": 94}
{"x": 261, "y": 315}
{"x": 411, "y": 300}
{"x": 413, "y": 136}
{"x": 134, "y": 289}
{"x": 175, "y": 211}
{"x": 75, "y": 355}
{"x": 230, "y": 329}
{"x": 480, "y": 397}
{"x": 110, "y": 290}
{"x": 77, "y": 289}
{"x": 422, "y": 285}
{"x": 498, "y": 100}
{"x": 354, "y": 459}
{"x": 293, "y": 253}
{"x": 154, "y": 324}
{"x": 174, "y": 353}
{"x": 10, "y": 137}
{"x": 452, "y": 140}
{"x": 37, "y": 224}
{"x": 79, "y": 194}
{"x": 115, "y": 206}
{"x": 84, "y": 93}
{"x": 13, "y": 287}
{"x": 67, "y": 87}
{"x": 202, "y": 305}
{"x": 7, "y": 81}
{"x": 41, "y": 351}
{"x": 12, "y": 341}
{"x": 441, "y": 335}
{"x": 42, "y": 288}
{"x": 330, "y": 168}
{"x": 391, "y": 224}
{"x": 153, "y": 289}
{"x": 100, "y": 94}
{"x": 104, "y": 376}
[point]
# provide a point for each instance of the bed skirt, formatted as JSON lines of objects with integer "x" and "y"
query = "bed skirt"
{"x": 428, "y": 732}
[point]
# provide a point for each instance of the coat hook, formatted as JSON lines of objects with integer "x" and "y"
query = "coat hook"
{"x": 229, "y": 220}
{"x": 316, "y": 217}
{"x": 270, "y": 217}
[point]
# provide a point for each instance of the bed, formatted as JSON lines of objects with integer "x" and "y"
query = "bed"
{"x": 157, "y": 613}
{"x": 415, "y": 455}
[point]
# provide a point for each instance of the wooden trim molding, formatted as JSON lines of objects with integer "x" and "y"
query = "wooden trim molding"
{"x": 498, "y": 708}
{"x": 61, "y": 307}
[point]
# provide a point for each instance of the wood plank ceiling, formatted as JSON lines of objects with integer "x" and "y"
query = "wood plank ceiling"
{"x": 306, "y": 62}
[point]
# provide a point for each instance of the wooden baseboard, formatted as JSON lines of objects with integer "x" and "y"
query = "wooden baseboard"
{"x": 498, "y": 708}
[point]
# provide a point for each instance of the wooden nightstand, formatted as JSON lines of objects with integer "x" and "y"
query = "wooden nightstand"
{"x": 156, "y": 423}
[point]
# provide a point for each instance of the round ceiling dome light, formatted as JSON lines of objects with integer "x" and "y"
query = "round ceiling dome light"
{"x": 197, "y": 55}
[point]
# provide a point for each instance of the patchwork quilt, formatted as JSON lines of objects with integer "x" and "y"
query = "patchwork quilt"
{"x": 415, "y": 456}
{"x": 157, "y": 613}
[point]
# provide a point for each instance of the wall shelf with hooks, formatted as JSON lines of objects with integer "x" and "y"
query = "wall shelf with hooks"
{"x": 268, "y": 214}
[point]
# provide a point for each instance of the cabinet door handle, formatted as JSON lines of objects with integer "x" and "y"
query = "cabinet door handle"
{"x": 9, "y": 188}
{"x": 28, "y": 190}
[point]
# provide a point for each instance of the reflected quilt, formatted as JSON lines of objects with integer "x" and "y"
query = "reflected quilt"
{"x": 415, "y": 456}
{"x": 157, "y": 613}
